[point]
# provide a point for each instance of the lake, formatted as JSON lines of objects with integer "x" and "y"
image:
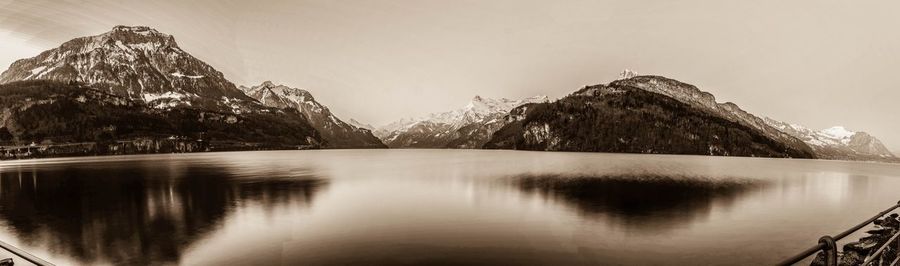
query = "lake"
{"x": 432, "y": 207}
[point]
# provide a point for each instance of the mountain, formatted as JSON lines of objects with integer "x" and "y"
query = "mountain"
{"x": 358, "y": 124}
{"x": 838, "y": 142}
{"x": 158, "y": 80}
{"x": 138, "y": 63}
{"x": 335, "y": 131}
{"x": 644, "y": 114}
{"x": 691, "y": 95}
{"x": 42, "y": 111}
{"x": 467, "y": 127}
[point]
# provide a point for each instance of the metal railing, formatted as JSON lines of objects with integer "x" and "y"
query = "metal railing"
{"x": 24, "y": 255}
{"x": 827, "y": 245}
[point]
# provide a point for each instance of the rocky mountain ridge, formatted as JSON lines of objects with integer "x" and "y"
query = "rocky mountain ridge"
{"x": 335, "y": 131}
{"x": 644, "y": 114}
{"x": 359, "y": 124}
{"x": 169, "y": 94}
{"x": 51, "y": 112}
{"x": 838, "y": 142}
{"x": 466, "y": 127}
{"x": 148, "y": 70}
{"x": 693, "y": 96}
{"x": 136, "y": 62}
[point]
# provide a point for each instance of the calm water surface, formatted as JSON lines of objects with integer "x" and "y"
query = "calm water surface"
{"x": 432, "y": 207}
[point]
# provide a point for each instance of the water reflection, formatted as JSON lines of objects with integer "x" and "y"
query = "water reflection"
{"x": 123, "y": 214}
{"x": 642, "y": 203}
{"x": 432, "y": 207}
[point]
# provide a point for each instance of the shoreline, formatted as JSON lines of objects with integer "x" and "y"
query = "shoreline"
{"x": 248, "y": 147}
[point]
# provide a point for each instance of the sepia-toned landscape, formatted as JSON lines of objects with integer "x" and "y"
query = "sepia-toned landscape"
{"x": 448, "y": 133}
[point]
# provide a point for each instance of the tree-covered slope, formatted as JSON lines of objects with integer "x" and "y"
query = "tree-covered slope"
{"x": 628, "y": 119}
{"x": 56, "y": 112}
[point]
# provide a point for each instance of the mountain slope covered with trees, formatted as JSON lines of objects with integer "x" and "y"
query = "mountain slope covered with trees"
{"x": 629, "y": 119}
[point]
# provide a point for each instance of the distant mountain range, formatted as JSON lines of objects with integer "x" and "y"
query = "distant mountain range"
{"x": 652, "y": 114}
{"x": 335, "y": 131}
{"x": 837, "y": 142}
{"x": 467, "y": 127}
{"x": 133, "y": 89}
{"x": 635, "y": 114}
{"x": 147, "y": 69}
{"x": 644, "y": 114}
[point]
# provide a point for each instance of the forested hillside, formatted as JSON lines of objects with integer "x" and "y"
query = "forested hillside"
{"x": 631, "y": 120}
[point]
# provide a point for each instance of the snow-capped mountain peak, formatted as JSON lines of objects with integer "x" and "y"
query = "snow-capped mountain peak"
{"x": 836, "y": 142}
{"x": 125, "y": 31}
{"x": 131, "y": 39}
{"x": 281, "y": 96}
{"x": 143, "y": 30}
{"x": 337, "y": 132}
{"x": 482, "y": 105}
{"x": 268, "y": 83}
{"x": 838, "y": 132}
{"x": 479, "y": 110}
{"x": 358, "y": 124}
{"x": 136, "y": 62}
{"x": 478, "y": 107}
{"x": 627, "y": 74}
{"x": 691, "y": 95}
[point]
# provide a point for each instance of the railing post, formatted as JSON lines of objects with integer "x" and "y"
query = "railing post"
{"x": 830, "y": 250}
{"x": 828, "y": 247}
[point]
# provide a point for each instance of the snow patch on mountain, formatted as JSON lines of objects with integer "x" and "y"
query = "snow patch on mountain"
{"x": 167, "y": 99}
{"x": 358, "y": 124}
{"x": 337, "y": 132}
{"x": 479, "y": 111}
{"x": 691, "y": 95}
{"x": 839, "y": 132}
{"x": 177, "y": 74}
{"x": 475, "y": 109}
{"x": 836, "y": 142}
{"x": 627, "y": 74}
{"x": 37, "y": 71}
{"x": 135, "y": 62}
{"x": 149, "y": 97}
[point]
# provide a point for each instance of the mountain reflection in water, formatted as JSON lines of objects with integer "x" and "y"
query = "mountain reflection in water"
{"x": 133, "y": 215}
{"x": 649, "y": 203}
{"x": 432, "y": 207}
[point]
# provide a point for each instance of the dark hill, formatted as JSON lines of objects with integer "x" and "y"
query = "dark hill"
{"x": 628, "y": 119}
{"x": 55, "y": 112}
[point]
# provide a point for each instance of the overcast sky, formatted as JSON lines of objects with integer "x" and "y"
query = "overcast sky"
{"x": 816, "y": 63}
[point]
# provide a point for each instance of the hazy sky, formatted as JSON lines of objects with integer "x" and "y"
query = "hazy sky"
{"x": 816, "y": 63}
